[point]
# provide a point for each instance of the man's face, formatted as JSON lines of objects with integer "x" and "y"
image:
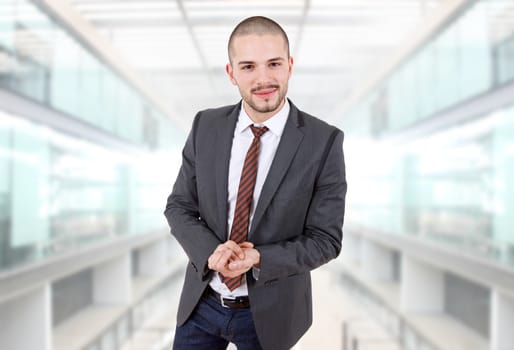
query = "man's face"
{"x": 260, "y": 67}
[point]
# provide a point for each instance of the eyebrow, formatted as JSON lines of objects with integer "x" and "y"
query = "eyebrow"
{"x": 253, "y": 62}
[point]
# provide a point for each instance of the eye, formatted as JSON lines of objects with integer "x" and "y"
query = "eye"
{"x": 246, "y": 67}
{"x": 275, "y": 64}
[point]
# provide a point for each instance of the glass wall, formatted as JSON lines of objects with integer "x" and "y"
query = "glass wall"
{"x": 59, "y": 192}
{"x": 453, "y": 186}
{"x": 471, "y": 56}
{"x": 39, "y": 59}
{"x": 505, "y": 57}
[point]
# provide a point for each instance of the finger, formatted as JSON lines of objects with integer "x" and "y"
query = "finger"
{"x": 222, "y": 260}
{"x": 235, "y": 248}
{"x": 220, "y": 249}
{"x": 236, "y": 265}
{"x": 214, "y": 257}
{"x": 212, "y": 260}
{"x": 239, "y": 267}
{"x": 240, "y": 264}
{"x": 246, "y": 245}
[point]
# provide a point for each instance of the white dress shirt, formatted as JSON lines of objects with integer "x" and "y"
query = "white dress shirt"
{"x": 241, "y": 142}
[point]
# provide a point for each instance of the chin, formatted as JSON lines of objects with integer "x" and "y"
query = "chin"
{"x": 268, "y": 107}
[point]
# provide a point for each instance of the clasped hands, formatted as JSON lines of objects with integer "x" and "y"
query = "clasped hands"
{"x": 232, "y": 259}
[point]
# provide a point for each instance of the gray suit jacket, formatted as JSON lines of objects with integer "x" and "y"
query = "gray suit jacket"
{"x": 297, "y": 225}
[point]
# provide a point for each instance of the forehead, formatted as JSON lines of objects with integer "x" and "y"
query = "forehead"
{"x": 253, "y": 47}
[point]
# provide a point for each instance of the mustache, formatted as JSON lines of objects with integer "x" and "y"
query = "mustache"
{"x": 259, "y": 88}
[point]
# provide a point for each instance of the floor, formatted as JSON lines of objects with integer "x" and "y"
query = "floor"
{"x": 334, "y": 311}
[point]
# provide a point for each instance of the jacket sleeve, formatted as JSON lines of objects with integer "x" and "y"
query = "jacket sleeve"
{"x": 321, "y": 238}
{"x": 182, "y": 212}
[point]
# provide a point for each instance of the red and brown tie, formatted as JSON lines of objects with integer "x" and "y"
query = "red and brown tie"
{"x": 241, "y": 222}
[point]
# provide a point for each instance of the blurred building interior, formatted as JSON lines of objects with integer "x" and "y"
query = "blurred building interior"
{"x": 96, "y": 100}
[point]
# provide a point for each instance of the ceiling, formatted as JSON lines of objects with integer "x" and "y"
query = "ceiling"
{"x": 179, "y": 46}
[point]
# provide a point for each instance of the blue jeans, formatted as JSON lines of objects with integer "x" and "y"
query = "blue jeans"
{"x": 212, "y": 326}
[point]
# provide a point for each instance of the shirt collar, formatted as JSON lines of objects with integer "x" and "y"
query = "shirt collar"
{"x": 275, "y": 124}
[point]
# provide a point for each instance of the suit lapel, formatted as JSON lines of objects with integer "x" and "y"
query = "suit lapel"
{"x": 291, "y": 138}
{"x": 225, "y": 135}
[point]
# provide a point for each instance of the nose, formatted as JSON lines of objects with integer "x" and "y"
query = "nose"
{"x": 262, "y": 77}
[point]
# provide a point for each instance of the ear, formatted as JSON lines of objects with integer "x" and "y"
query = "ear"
{"x": 230, "y": 73}
{"x": 291, "y": 62}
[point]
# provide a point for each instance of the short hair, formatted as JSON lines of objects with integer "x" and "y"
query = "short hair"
{"x": 258, "y": 25}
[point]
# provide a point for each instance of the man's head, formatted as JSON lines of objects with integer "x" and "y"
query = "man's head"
{"x": 257, "y": 25}
{"x": 260, "y": 65}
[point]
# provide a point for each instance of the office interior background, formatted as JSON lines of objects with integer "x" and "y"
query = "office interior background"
{"x": 97, "y": 97}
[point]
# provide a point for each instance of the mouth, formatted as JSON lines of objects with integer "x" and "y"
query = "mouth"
{"x": 265, "y": 93}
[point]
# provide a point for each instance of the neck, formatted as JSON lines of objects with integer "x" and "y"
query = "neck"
{"x": 259, "y": 117}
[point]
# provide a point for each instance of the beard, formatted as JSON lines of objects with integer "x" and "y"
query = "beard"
{"x": 265, "y": 106}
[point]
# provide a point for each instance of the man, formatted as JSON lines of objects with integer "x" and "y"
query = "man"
{"x": 258, "y": 204}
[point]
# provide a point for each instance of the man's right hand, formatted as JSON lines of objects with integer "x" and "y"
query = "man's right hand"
{"x": 223, "y": 254}
{"x": 226, "y": 253}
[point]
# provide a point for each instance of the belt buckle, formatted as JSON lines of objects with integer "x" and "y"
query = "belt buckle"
{"x": 223, "y": 302}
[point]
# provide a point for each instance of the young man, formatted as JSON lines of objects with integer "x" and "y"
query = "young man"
{"x": 258, "y": 204}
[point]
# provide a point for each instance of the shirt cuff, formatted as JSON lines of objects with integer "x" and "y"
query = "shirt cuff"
{"x": 255, "y": 273}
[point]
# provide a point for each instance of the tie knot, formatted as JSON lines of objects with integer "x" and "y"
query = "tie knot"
{"x": 258, "y": 131}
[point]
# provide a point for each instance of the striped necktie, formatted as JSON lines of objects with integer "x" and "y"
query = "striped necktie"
{"x": 241, "y": 222}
